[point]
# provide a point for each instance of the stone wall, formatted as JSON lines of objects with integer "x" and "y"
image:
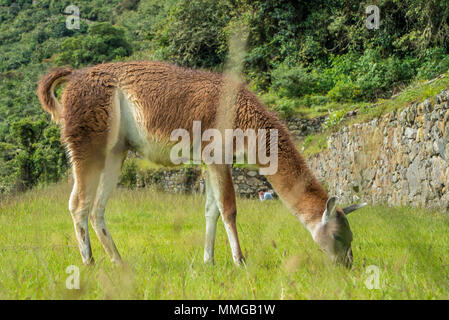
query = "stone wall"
{"x": 247, "y": 182}
{"x": 181, "y": 180}
{"x": 303, "y": 127}
{"x": 401, "y": 158}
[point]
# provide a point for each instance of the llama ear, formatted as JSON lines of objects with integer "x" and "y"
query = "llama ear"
{"x": 331, "y": 209}
{"x": 349, "y": 209}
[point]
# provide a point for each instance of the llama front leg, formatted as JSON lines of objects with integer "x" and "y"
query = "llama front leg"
{"x": 212, "y": 214}
{"x": 220, "y": 179}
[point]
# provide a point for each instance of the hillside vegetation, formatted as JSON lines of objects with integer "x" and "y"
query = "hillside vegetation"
{"x": 303, "y": 57}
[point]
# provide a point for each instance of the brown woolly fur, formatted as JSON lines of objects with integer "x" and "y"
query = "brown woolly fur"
{"x": 171, "y": 97}
{"x": 87, "y": 103}
{"x": 45, "y": 90}
{"x": 98, "y": 102}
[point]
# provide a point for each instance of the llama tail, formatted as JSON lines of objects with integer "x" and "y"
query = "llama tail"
{"x": 46, "y": 91}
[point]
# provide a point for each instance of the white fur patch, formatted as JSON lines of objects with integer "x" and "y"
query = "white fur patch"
{"x": 132, "y": 127}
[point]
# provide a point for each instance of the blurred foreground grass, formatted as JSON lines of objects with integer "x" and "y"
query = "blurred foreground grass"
{"x": 160, "y": 237}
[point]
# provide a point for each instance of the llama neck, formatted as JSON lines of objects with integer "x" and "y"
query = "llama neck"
{"x": 296, "y": 185}
{"x": 293, "y": 180}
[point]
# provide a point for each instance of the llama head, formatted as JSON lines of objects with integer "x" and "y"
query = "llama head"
{"x": 333, "y": 233}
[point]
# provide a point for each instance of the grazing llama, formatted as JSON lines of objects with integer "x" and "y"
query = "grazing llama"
{"x": 108, "y": 109}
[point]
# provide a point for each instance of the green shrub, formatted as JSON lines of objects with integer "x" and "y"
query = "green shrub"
{"x": 435, "y": 62}
{"x": 285, "y": 107}
{"x": 367, "y": 76}
{"x": 128, "y": 177}
{"x": 129, "y": 4}
{"x": 194, "y": 36}
{"x": 345, "y": 90}
{"x": 102, "y": 43}
{"x": 376, "y": 76}
{"x": 34, "y": 155}
{"x": 312, "y": 100}
{"x": 293, "y": 81}
{"x": 334, "y": 119}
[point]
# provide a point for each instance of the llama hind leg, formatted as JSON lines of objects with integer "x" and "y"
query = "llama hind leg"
{"x": 108, "y": 181}
{"x": 83, "y": 194}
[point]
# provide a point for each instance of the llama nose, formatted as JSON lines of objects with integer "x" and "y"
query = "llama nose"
{"x": 349, "y": 258}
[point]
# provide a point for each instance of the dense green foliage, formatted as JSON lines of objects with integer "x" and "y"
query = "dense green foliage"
{"x": 103, "y": 42}
{"x": 301, "y": 55}
{"x": 33, "y": 155}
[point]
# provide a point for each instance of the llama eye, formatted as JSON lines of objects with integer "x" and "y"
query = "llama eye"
{"x": 337, "y": 237}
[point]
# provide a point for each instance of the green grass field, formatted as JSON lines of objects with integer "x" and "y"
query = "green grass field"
{"x": 160, "y": 237}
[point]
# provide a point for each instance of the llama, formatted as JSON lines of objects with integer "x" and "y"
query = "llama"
{"x": 108, "y": 109}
